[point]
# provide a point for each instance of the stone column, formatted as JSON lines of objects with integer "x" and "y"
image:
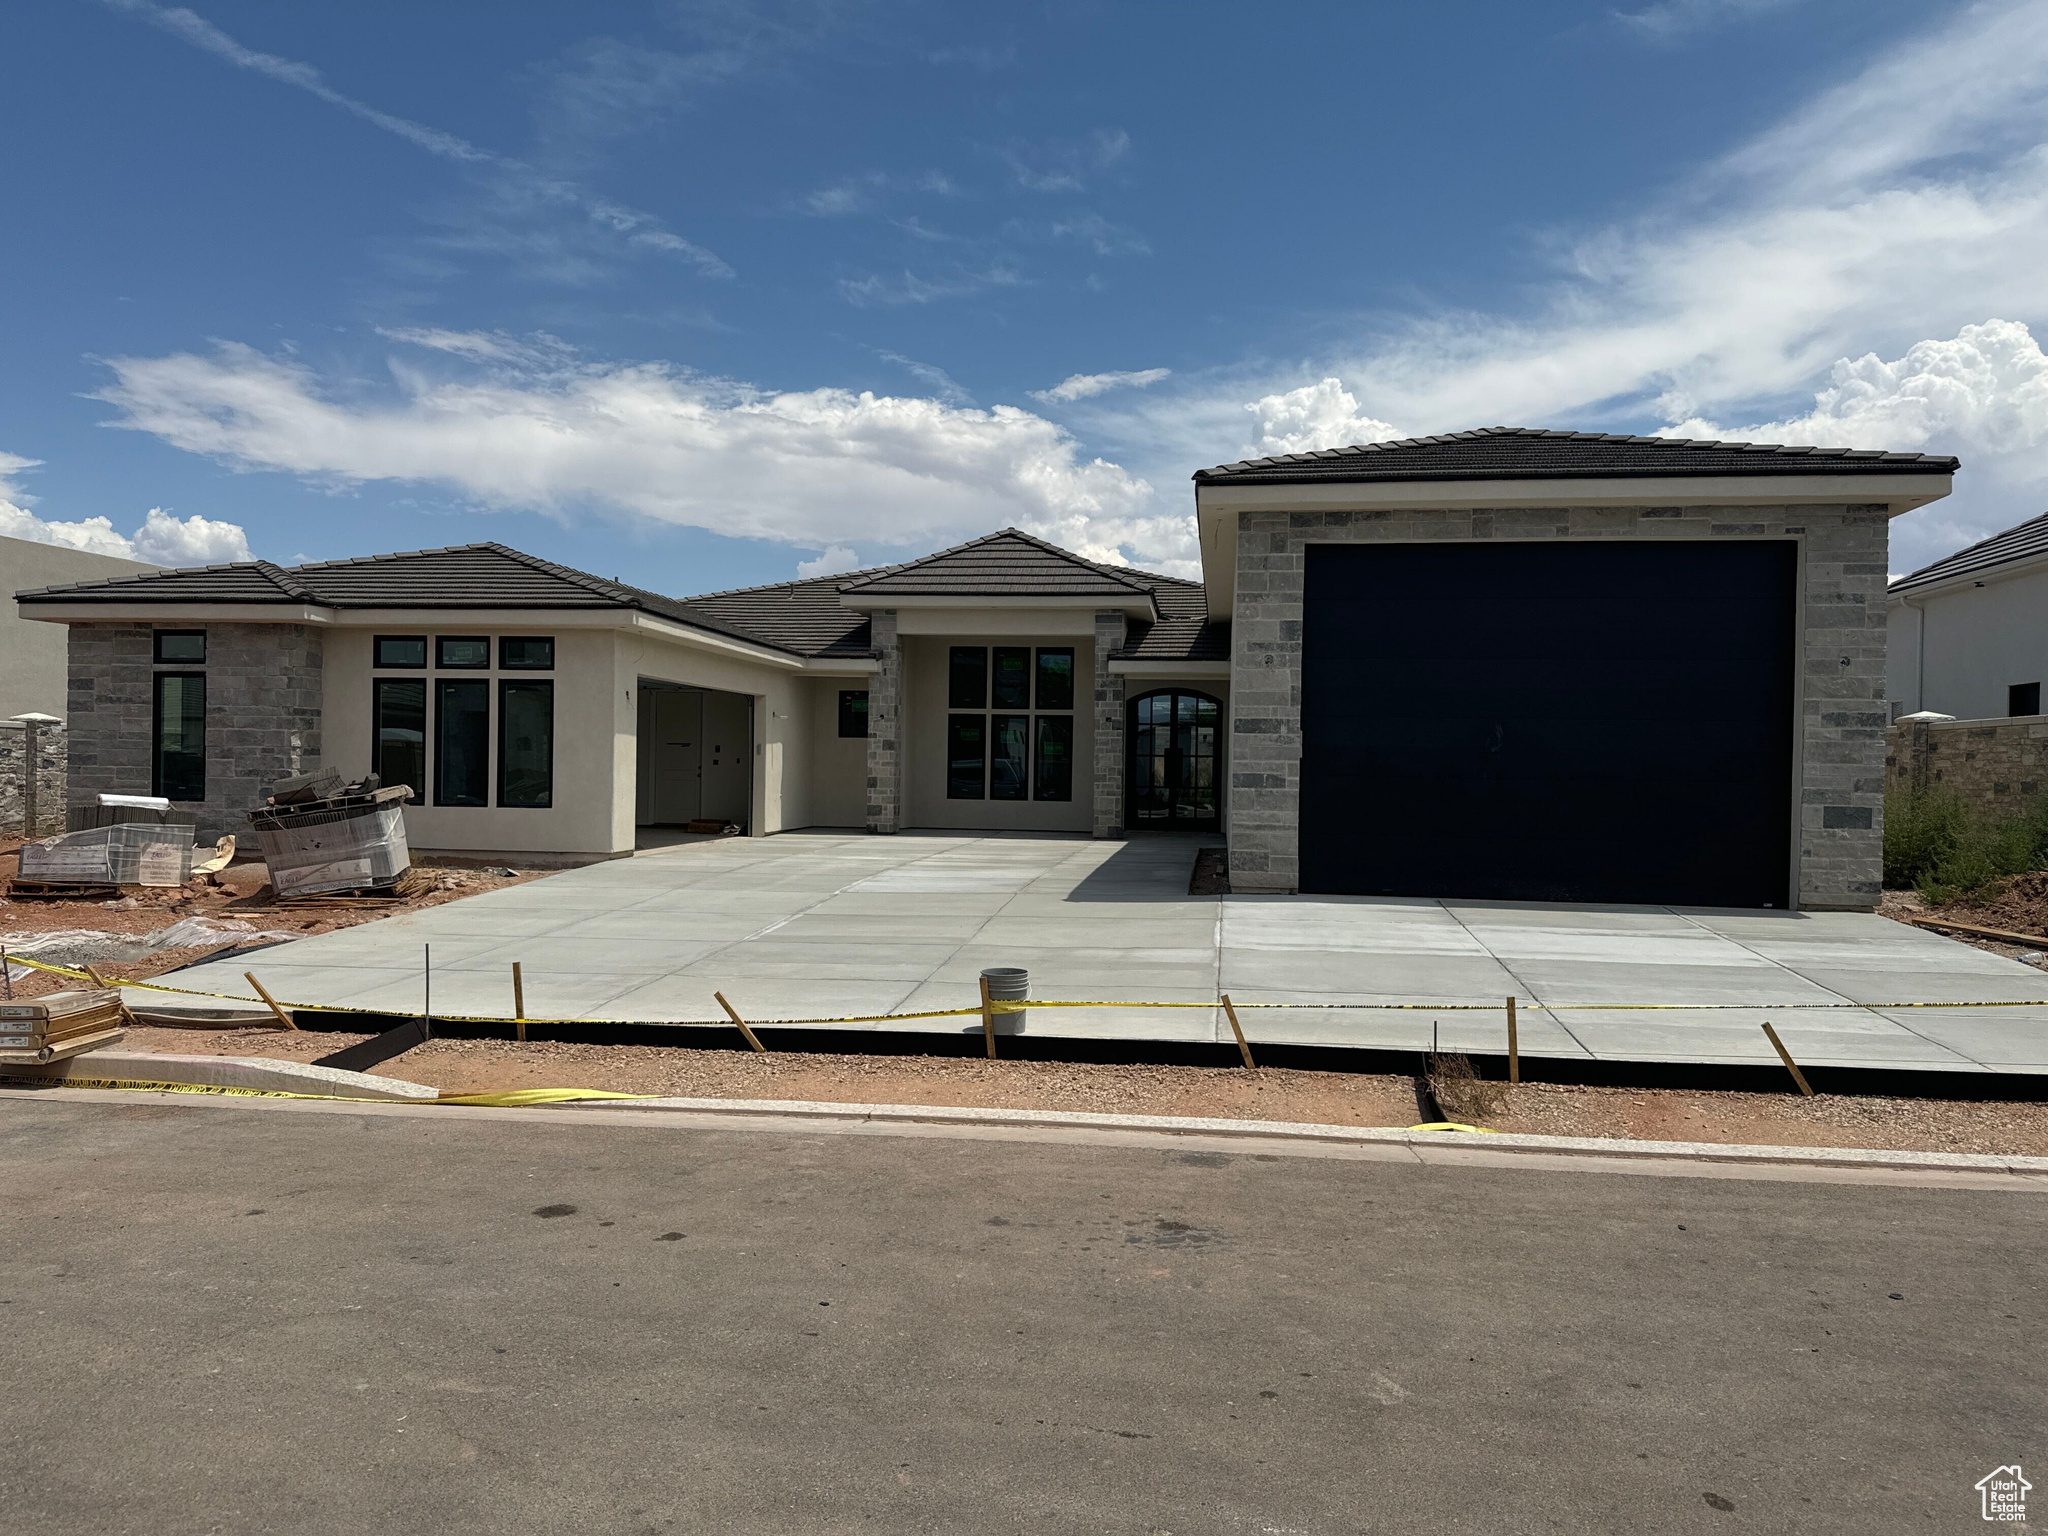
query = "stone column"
{"x": 885, "y": 727}
{"x": 1109, "y": 727}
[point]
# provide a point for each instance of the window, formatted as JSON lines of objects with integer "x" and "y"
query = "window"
{"x": 401, "y": 651}
{"x": 526, "y": 653}
{"x": 462, "y": 742}
{"x": 1009, "y": 761}
{"x": 181, "y": 645}
{"x": 967, "y": 677}
{"x": 965, "y": 755}
{"x": 1012, "y": 688}
{"x": 1055, "y": 777}
{"x": 2023, "y": 699}
{"x": 526, "y": 742}
{"x": 178, "y": 735}
{"x": 465, "y": 652}
{"x": 398, "y": 754}
{"x": 853, "y": 712}
{"x": 1056, "y": 679}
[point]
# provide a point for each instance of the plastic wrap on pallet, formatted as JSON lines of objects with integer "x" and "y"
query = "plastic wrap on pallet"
{"x": 150, "y": 853}
{"x": 83, "y": 818}
{"x": 313, "y": 852}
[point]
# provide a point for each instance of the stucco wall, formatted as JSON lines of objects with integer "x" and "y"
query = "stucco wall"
{"x": 35, "y": 655}
{"x": 1956, "y": 651}
{"x": 839, "y": 764}
{"x": 924, "y": 733}
{"x": 1838, "y": 746}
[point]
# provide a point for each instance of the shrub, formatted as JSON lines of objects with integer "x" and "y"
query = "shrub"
{"x": 1920, "y": 829}
{"x": 1947, "y": 849}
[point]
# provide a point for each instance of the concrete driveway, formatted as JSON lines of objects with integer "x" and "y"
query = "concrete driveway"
{"x": 825, "y": 925}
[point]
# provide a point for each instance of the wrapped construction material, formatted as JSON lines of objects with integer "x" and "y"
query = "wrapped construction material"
{"x": 345, "y": 848}
{"x": 59, "y": 1024}
{"x": 130, "y": 854}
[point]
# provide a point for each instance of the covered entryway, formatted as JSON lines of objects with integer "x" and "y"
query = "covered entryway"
{"x": 1174, "y": 774}
{"x": 696, "y": 757}
{"x": 1602, "y": 721}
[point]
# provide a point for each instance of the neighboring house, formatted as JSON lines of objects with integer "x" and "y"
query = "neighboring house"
{"x": 33, "y": 668}
{"x": 1500, "y": 664}
{"x": 1969, "y": 633}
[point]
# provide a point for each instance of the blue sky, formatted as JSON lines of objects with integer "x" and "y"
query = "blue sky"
{"x": 702, "y": 295}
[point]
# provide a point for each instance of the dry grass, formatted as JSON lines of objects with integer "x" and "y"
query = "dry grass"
{"x": 1461, "y": 1093}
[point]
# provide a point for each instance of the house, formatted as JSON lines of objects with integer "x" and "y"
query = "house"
{"x": 1969, "y": 633}
{"x": 1509, "y": 663}
{"x": 34, "y": 676}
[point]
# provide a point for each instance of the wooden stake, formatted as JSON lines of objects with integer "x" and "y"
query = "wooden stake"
{"x": 98, "y": 980}
{"x": 1514, "y": 1047}
{"x": 988, "y": 1020}
{"x": 282, "y": 1017}
{"x": 1237, "y": 1029}
{"x": 733, "y": 1014}
{"x": 1791, "y": 1066}
{"x": 518, "y": 1000}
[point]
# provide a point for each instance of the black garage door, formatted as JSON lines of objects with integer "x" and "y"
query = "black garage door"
{"x": 1581, "y": 721}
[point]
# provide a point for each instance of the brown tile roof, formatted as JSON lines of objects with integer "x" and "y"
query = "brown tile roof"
{"x": 1003, "y": 564}
{"x": 2021, "y": 542}
{"x": 1531, "y": 453}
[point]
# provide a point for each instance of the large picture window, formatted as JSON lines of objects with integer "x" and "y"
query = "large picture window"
{"x": 178, "y": 731}
{"x": 1054, "y": 779}
{"x": 966, "y": 756}
{"x": 462, "y": 741}
{"x": 399, "y": 752}
{"x": 526, "y": 742}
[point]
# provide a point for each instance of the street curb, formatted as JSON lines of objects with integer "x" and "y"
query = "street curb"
{"x": 1571, "y": 1146}
{"x": 260, "y": 1073}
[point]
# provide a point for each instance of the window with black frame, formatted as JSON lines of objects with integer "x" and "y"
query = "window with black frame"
{"x": 178, "y": 736}
{"x": 526, "y": 742}
{"x": 462, "y": 741}
{"x": 853, "y": 712}
{"x": 1019, "y": 742}
{"x": 399, "y": 747}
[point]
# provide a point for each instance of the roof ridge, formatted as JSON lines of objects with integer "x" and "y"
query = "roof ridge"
{"x": 284, "y": 582}
{"x": 1119, "y": 574}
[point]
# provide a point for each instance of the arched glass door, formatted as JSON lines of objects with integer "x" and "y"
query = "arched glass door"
{"x": 1174, "y": 769}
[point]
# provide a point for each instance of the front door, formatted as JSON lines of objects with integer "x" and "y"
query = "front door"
{"x": 1174, "y": 777}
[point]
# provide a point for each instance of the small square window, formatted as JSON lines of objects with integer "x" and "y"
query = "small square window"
{"x": 182, "y": 646}
{"x": 2023, "y": 699}
{"x": 526, "y": 653}
{"x": 401, "y": 651}
{"x": 463, "y": 652}
{"x": 853, "y": 712}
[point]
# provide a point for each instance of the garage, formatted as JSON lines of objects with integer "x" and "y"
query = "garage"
{"x": 1569, "y": 720}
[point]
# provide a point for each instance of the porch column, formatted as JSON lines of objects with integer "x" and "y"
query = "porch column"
{"x": 885, "y": 726}
{"x": 1109, "y": 727}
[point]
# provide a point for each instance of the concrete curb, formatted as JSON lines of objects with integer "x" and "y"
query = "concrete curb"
{"x": 256, "y": 1072}
{"x": 1578, "y": 1146}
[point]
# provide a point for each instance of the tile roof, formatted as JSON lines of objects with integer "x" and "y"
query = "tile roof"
{"x": 463, "y": 576}
{"x": 1185, "y": 632}
{"x": 1003, "y": 564}
{"x": 2024, "y": 542}
{"x": 1531, "y": 453}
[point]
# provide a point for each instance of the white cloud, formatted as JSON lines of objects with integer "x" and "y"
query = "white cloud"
{"x": 1081, "y": 386}
{"x": 637, "y": 229}
{"x": 1108, "y": 239}
{"x": 161, "y": 540}
{"x": 1673, "y": 19}
{"x": 1067, "y": 165}
{"x": 912, "y": 289}
{"x": 810, "y": 468}
{"x": 830, "y": 563}
{"x": 941, "y": 383}
{"x": 1320, "y": 415}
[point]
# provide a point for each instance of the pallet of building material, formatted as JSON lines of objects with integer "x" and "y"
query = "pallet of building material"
{"x": 52, "y": 890}
{"x": 60, "y": 1024}
{"x": 317, "y": 851}
{"x": 132, "y": 853}
{"x": 410, "y": 883}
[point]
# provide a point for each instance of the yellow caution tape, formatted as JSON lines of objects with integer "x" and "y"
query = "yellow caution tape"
{"x": 1453, "y": 1125}
{"x": 1528, "y": 1006}
{"x": 522, "y": 1098}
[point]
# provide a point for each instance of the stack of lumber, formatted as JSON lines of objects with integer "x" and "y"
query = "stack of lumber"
{"x": 49, "y": 1028}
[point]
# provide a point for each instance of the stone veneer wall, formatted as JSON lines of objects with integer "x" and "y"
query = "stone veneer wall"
{"x": 1997, "y": 765}
{"x": 1840, "y": 743}
{"x": 1109, "y": 727}
{"x": 49, "y": 773}
{"x": 885, "y": 726}
{"x": 262, "y": 713}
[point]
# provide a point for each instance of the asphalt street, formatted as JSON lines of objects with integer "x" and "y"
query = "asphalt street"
{"x": 227, "y": 1317}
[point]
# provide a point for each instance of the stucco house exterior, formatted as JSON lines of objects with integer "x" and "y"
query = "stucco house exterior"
{"x": 1969, "y": 633}
{"x": 1506, "y": 664}
{"x": 35, "y": 673}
